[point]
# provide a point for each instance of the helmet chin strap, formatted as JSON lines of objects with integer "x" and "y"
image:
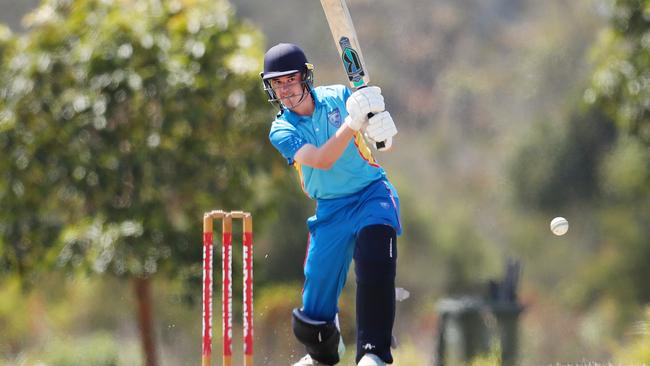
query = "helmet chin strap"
{"x": 302, "y": 98}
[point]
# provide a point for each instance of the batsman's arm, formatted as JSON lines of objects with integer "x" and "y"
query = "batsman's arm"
{"x": 325, "y": 156}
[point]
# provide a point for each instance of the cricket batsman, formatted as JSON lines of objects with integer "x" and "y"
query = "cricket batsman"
{"x": 319, "y": 130}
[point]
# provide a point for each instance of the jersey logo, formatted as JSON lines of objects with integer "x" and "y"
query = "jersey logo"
{"x": 334, "y": 117}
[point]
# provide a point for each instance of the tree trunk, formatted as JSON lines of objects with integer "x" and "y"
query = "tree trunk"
{"x": 142, "y": 287}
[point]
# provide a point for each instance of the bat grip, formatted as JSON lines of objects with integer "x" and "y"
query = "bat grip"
{"x": 380, "y": 145}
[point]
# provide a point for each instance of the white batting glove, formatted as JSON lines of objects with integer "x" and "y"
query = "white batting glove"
{"x": 360, "y": 103}
{"x": 381, "y": 127}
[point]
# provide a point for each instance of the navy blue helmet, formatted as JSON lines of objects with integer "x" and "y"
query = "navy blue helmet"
{"x": 285, "y": 59}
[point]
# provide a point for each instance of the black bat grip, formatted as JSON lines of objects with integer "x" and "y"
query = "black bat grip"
{"x": 379, "y": 144}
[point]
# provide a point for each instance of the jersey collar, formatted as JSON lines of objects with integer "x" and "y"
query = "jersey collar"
{"x": 295, "y": 118}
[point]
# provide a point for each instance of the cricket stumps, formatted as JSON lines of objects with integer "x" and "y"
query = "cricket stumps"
{"x": 226, "y": 284}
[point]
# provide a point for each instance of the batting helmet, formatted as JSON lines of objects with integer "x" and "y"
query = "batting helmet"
{"x": 285, "y": 59}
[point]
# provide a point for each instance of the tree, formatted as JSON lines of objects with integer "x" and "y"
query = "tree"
{"x": 557, "y": 168}
{"x": 122, "y": 122}
{"x": 601, "y": 165}
{"x": 620, "y": 82}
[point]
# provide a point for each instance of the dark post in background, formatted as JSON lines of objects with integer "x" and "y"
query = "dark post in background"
{"x": 471, "y": 326}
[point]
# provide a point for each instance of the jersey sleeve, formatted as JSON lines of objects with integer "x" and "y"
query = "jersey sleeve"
{"x": 345, "y": 93}
{"x": 286, "y": 139}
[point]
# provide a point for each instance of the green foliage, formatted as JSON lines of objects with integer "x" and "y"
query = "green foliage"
{"x": 491, "y": 359}
{"x": 637, "y": 351}
{"x": 620, "y": 81}
{"x": 14, "y": 323}
{"x": 620, "y": 87}
{"x": 466, "y": 259}
{"x": 556, "y": 168}
{"x": 282, "y": 242}
{"x": 63, "y": 313}
{"x": 95, "y": 350}
{"x": 122, "y": 123}
{"x": 6, "y": 38}
{"x": 625, "y": 171}
{"x": 598, "y": 167}
{"x": 621, "y": 262}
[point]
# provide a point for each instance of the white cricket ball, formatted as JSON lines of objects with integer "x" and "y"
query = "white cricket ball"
{"x": 559, "y": 226}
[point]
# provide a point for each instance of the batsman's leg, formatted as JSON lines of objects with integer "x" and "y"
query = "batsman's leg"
{"x": 326, "y": 267}
{"x": 375, "y": 259}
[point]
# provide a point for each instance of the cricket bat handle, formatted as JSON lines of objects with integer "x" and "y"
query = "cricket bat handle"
{"x": 382, "y": 145}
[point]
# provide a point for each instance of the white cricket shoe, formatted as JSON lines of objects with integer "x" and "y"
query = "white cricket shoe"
{"x": 308, "y": 361}
{"x": 370, "y": 359}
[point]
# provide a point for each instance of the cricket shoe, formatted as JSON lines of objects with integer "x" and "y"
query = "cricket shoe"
{"x": 370, "y": 359}
{"x": 308, "y": 361}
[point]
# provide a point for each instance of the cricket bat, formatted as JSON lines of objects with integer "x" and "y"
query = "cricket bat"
{"x": 347, "y": 43}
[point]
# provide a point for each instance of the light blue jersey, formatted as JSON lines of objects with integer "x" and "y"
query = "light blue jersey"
{"x": 353, "y": 194}
{"x": 355, "y": 170}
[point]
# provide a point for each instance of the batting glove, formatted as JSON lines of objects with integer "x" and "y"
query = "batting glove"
{"x": 381, "y": 127}
{"x": 360, "y": 103}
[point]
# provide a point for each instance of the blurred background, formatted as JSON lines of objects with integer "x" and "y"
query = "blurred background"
{"x": 122, "y": 121}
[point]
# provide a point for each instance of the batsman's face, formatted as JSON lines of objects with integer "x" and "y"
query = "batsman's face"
{"x": 289, "y": 89}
